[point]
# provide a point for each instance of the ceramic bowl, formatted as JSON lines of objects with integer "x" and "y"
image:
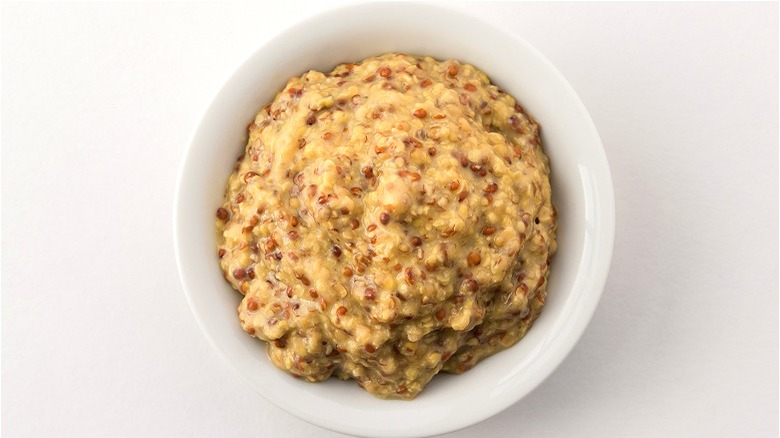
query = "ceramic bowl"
{"x": 582, "y": 193}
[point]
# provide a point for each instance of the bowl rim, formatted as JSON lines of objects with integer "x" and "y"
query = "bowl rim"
{"x": 605, "y": 202}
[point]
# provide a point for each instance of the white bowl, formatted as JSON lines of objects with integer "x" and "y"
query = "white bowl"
{"x": 582, "y": 192}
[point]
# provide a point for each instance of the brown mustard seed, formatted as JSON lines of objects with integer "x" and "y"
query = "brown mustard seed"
{"x": 311, "y": 120}
{"x": 472, "y": 285}
{"x": 221, "y": 252}
{"x": 240, "y": 198}
{"x": 463, "y": 195}
{"x": 492, "y": 187}
{"x": 355, "y": 223}
{"x": 371, "y": 228}
{"x": 239, "y": 273}
{"x": 369, "y": 293}
{"x": 368, "y": 172}
{"x": 409, "y": 275}
{"x": 453, "y": 70}
{"x": 516, "y": 123}
{"x": 347, "y": 272}
{"x": 420, "y": 113}
{"x": 251, "y": 304}
{"x": 440, "y": 314}
{"x": 454, "y": 186}
{"x": 336, "y": 251}
{"x": 249, "y": 175}
{"x": 294, "y": 221}
{"x": 280, "y": 343}
{"x": 432, "y": 151}
{"x": 341, "y": 311}
{"x": 426, "y": 83}
{"x": 370, "y": 348}
{"x": 470, "y": 87}
{"x": 327, "y": 135}
{"x": 385, "y": 72}
{"x": 384, "y": 217}
{"x": 473, "y": 258}
{"x": 487, "y": 231}
{"x": 416, "y": 241}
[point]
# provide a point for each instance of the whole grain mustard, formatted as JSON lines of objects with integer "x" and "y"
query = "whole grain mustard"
{"x": 389, "y": 220}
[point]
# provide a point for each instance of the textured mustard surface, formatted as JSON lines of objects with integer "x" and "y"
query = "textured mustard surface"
{"x": 389, "y": 220}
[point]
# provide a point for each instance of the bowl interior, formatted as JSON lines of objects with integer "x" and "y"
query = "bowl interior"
{"x": 582, "y": 193}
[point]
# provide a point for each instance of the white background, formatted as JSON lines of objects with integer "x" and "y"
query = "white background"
{"x": 98, "y": 102}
